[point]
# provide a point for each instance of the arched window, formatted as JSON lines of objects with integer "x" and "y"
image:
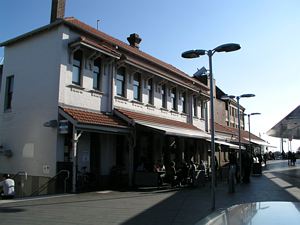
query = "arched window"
{"x": 97, "y": 74}
{"x": 77, "y": 64}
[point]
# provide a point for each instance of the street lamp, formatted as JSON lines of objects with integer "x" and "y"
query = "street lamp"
{"x": 250, "y": 114}
{"x": 226, "y": 97}
{"x": 230, "y": 47}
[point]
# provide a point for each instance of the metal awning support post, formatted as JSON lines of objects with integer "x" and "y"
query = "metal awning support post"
{"x": 131, "y": 141}
{"x": 75, "y": 139}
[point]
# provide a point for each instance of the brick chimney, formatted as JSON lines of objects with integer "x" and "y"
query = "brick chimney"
{"x": 134, "y": 40}
{"x": 57, "y": 10}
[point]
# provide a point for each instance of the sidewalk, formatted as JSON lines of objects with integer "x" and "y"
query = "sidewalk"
{"x": 167, "y": 206}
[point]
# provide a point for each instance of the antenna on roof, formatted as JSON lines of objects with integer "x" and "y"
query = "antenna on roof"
{"x": 97, "y": 24}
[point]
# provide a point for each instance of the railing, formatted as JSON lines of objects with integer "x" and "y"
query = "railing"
{"x": 45, "y": 185}
{"x": 23, "y": 175}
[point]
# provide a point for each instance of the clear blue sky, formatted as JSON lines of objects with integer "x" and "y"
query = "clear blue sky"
{"x": 268, "y": 31}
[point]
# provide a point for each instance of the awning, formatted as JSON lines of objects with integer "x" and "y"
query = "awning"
{"x": 175, "y": 131}
{"x": 160, "y": 124}
{"x": 232, "y": 146}
{"x": 94, "y": 121}
{"x": 258, "y": 142}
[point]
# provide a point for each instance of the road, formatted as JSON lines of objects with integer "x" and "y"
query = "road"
{"x": 279, "y": 182}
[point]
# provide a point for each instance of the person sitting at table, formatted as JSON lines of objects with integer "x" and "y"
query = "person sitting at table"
{"x": 171, "y": 175}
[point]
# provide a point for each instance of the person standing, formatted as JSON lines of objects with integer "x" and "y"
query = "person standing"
{"x": 232, "y": 172}
{"x": 8, "y": 186}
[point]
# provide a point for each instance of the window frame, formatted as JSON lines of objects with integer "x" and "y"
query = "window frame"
{"x": 184, "y": 102}
{"x": 97, "y": 71}
{"x": 137, "y": 87}
{"x": 121, "y": 81}
{"x": 77, "y": 63}
{"x": 174, "y": 99}
{"x": 9, "y": 86}
{"x": 150, "y": 91}
{"x": 195, "y": 106}
{"x": 164, "y": 102}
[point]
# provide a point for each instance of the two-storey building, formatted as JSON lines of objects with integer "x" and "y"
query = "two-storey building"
{"x": 76, "y": 99}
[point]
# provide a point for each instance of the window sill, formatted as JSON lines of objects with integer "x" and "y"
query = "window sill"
{"x": 137, "y": 102}
{"x": 121, "y": 98}
{"x": 150, "y": 106}
{"x": 94, "y": 91}
{"x": 75, "y": 86}
{"x": 7, "y": 110}
{"x": 184, "y": 114}
{"x": 164, "y": 109}
{"x": 174, "y": 112}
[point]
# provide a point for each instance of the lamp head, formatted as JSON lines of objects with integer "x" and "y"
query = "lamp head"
{"x": 256, "y": 113}
{"x": 230, "y": 47}
{"x": 247, "y": 95}
{"x": 227, "y": 97}
{"x": 193, "y": 53}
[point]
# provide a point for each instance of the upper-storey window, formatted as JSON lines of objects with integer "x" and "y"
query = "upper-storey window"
{"x": 195, "y": 106}
{"x": 183, "y": 100}
{"x": 8, "y": 92}
{"x": 77, "y": 64}
{"x": 203, "y": 109}
{"x": 150, "y": 91}
{"x": 174, "y": 99}
{"x": 97, "y": 74}
{"x": 120, "y": 81}
{"x": 164, "y": 96}
{"x": 137, "y": 87}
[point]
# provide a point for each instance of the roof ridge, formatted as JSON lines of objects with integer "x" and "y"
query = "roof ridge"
{"x": 127, "y": 47}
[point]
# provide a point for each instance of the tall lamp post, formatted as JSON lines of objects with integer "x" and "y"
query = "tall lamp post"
{"x": 230, "y": 47}
{"x": 250, "y": 114}
{"x": 226, "y": 97}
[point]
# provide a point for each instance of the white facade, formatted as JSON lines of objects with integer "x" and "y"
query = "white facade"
{"x": 35, "y": 67}
{"x": 42, "y": 64}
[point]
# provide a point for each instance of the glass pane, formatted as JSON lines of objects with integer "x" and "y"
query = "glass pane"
{"x": 119, "y": 88}
{"x": 120, "y": 77}
{"x": 96, "y": 80}
{"x": 135, "y": 93}
{"x": 76, "y": 75}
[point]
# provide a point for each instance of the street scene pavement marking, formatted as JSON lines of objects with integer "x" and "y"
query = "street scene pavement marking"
{"x": 294, "y": 191}
{"x": 281, "y": 183}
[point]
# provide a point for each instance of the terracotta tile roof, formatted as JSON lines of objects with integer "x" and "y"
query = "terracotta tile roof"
{"x": 234, "y": 131}
{"x": 156, "y": 120}
{"x": 93, "y": 43}
{"x": 93, "y": 118}
{"x": 134, "y": 51}
{"x": 118, "y": 45}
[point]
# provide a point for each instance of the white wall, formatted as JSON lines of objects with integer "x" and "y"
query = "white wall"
{"x": 81, "y": 97}
{"x": 34, "y": 63}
